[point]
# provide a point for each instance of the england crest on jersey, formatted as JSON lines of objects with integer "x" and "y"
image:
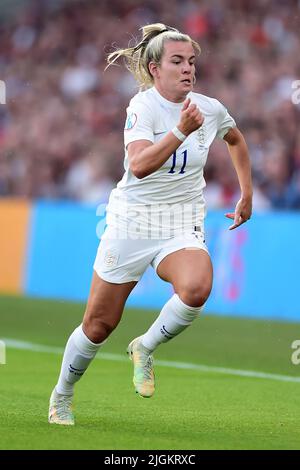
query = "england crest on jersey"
{"x": 201, "y": 132}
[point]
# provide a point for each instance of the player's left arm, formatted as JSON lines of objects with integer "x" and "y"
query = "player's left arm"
{"x": 241, "y": 161}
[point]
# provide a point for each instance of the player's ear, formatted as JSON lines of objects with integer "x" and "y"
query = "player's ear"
{"x": 153, "y": 69}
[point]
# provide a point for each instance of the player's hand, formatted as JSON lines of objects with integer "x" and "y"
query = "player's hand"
{"x": 191, "y": 118}
{"x": 242, "y": 213}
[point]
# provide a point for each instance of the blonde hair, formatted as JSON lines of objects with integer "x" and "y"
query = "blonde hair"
{"x": 149, "y": 49}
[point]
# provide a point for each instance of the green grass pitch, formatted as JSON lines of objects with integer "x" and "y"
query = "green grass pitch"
{"x": 191, "y": 409}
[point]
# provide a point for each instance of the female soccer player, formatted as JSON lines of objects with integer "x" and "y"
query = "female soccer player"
{"x": 155, "y": 215}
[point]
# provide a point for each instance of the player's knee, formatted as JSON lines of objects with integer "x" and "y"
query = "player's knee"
{"x": 195, "y": 295}
{"x": 97, "y": 329}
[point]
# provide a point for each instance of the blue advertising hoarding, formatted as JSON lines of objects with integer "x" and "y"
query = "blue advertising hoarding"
{"x": 255, "y": 266}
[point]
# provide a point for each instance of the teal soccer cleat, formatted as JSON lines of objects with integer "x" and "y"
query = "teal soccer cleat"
{"x": 143, "y": 376}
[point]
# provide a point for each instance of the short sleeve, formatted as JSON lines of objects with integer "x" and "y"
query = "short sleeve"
{"x": 139, "y": 123}
{"x": 225, "y": 121}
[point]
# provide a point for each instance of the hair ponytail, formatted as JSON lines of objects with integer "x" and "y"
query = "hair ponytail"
{"x": 150, "y": 48}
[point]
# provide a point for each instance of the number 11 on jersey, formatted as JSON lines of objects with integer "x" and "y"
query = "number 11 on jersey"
{"x": 172, "y": 170}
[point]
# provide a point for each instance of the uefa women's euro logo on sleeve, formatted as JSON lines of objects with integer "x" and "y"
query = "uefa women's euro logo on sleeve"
{"x": 130, "y": 121}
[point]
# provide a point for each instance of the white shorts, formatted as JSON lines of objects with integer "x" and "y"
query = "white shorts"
{"x": 119, "y": 261}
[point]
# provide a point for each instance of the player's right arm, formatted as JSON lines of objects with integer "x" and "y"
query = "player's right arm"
{"x": 146, "y": 157}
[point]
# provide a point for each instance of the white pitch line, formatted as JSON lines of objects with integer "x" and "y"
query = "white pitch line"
{"x": 27, "y": 346}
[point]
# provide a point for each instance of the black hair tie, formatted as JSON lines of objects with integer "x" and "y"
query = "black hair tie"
{"x": 163, "y": 31}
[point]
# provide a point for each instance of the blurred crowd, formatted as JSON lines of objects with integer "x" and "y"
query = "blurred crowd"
{"x": 61, "y": 131}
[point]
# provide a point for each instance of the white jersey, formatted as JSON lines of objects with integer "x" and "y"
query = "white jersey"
{"x": 171, "y": 198}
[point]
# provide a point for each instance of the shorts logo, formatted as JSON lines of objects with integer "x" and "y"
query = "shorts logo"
{"x": 111, "y": 259}
{"x": 130, "y": 121}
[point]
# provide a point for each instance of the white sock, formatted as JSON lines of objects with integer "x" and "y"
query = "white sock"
{"x": 78, "y": 354}
{"x": 174, "y": 317}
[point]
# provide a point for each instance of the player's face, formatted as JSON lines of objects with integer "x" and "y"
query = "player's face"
{"x": 174, "y": 76}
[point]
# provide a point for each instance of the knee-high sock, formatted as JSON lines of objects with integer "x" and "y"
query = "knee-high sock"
{"x": 174, "y": 317}
{"x": 78, "y": 354}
